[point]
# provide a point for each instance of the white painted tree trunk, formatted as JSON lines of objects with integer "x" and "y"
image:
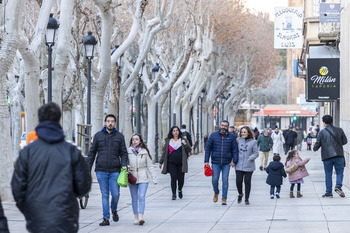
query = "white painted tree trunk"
{"x": 7, "y": 53}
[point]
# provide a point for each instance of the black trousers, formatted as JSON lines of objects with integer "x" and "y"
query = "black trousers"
{"x": 177, "y": 176}
{"x": 247, "y": 177}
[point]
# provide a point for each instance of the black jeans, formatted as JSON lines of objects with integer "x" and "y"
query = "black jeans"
{"x": 247, "y": 176}
{"x": 292, "y": 187}
{"x": 176, "y": 175}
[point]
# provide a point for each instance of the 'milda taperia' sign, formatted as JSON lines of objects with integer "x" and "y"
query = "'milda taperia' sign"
{"x": 323, "y": 79}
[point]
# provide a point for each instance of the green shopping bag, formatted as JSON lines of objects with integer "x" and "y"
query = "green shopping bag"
{"x": 123, "y": 178}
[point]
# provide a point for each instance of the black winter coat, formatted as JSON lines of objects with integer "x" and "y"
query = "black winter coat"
{"x": 49, "y": 175}
{"x": 331, "y": 148}
{"x": 275, "y": 172}
{"x": 3, "y": 221}
{"x": 290, "y": 136}
{"x": 111, "y": 152}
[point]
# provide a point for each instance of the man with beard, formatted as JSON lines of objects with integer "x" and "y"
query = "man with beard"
{"x": 109, "y": 145}
{"x": 223, "y": 150}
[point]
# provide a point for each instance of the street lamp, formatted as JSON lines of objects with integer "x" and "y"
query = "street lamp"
{"x": 202, "y": 96}
{"x": 218, "y": 112}
{"x": 138, "y": 117}
{"x": 155, "y": 70}
{"x": 89, "y": 48}
{"x": 50, "y": 35}
{"x": 132, "y": 109}
{"x": 169, "y": 99}
{"x": 223, "y": 97}
{"x": 197, "y": 135}
{"x": 184, "y": 85}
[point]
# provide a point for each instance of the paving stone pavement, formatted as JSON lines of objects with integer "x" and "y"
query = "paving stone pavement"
{"x": 196, "y": 212}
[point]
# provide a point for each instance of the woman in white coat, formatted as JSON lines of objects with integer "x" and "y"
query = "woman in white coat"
{"x": 140, "y": 164}
{"x": 278, "y": 141}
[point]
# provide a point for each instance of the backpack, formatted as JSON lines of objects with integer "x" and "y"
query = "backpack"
{"x": 309, "y": 141}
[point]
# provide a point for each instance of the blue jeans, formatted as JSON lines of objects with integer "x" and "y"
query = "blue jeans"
{"x": 272, "y": 189}
{"x": 138, "y": 194}
{"x": 225, "y": 169}
{"x": 108, "y": 183}
{"x": 338, "y": 164}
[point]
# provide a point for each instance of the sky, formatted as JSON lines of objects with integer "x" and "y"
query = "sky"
{"x": 266, "y": 5}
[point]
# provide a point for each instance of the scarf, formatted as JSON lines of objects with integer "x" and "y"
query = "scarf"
{"x": 136, "y": 150}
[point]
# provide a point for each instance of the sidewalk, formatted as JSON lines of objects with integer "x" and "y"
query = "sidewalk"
{"x": 196, "y": 212}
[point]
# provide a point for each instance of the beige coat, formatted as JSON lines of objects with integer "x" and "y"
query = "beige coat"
{"x": 141, "y": 166}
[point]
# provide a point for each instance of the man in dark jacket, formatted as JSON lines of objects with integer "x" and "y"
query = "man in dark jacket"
{"x": 186, "y": 134}
{"x": 289, "y": 139}
{"x": 332, "y": 139}
{"x": 109, "y": 145}
{"x": 223, "y": 150}
{"x": 265, "y": 144}
{"x": 3, "y": 221}
{"x": 49, "y": 175}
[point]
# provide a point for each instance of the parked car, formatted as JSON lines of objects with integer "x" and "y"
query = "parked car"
{"x": 23, "y": 139}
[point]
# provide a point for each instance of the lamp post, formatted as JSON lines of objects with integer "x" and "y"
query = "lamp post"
{"x": 138, "y": 116}
{"x": 197, "y": 135}
{"x": 218, "y": 112}
{"x": 89, "y": 48}
{"x": 52, "y": 26}
{"x": 167, "y": 76}
{"x": 202, "y": 96}
{"x": 132, "y": 110}
{"x": 155, "y": 70}
{"x": 223, "y": 97}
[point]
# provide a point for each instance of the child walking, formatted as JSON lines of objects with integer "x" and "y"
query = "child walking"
{"x": 275, "y": 176}
{"x": 297, "y": 171}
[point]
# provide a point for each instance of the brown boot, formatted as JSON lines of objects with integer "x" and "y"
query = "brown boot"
{"x": 223, "y": 201}
{"x": 291, "y": 194}
{"x": 299, "y": 194}
{"x": 215, "y": 198}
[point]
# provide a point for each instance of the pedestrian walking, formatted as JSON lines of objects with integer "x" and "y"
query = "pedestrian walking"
{"x": 332, "y": 139}
{"x": 309, "y": 141}
{"x": 256, "y": 133}
{"x": 295, "y": 166}
{"x": 278, "y": 141}
{"x": 222, "y": 149}
{"x": 265, "y": 144}
{"x": 300, "y": 138}
{"x": 247, "y": 153}
{"x": 233, "y": 130}
{"x": 275, "y": 172}
{"x": 289, "y": 137}
{"x": 140, "y": 165}
{"x": 3, "y": 220}
{"x": 112, "y": 155}
{"x": 175, "y": 160}
{"x": 186, "y": 134}
{"x": 49, "y": 175}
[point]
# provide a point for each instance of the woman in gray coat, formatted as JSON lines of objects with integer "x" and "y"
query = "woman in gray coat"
{"x": 247, "y": 153}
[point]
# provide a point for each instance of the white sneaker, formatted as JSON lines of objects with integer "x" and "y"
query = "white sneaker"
{"x": 272, "y": 196}
{"x": 136, "y": 221}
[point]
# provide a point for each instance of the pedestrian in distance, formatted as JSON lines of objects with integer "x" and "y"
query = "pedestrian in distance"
{"x": 300, "y": 137}
{"x": 265, "y": 144}
{"x": 222, "y": 149}
{"x": 49, "y": 175}
{"x": 112, "y": 155}
{"x": 140, "y": 165}
{"x": 275, "y": 172}
{"x": 3, "y": 220}
{"x": 331, "y": 140}
{"x": 278, "y": 141}
{"x": 247, "y": 153}
{"x": 290, "y": 140}
{"x": 309, "y": 141}
{"x": 186, "y": 135}
{"x": 175, "y": 160}
{"x": 233, "y": 130}
{"x": 296, "y": 174}
{"x": 256, "y": 133}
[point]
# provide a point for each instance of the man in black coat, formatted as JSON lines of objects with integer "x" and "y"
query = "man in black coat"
{"x": 289, "y": 140}
{"x": 49, "y": 175}
{"x": 331, "y": 140}
{"x": 109, "y": 145}
{"x": 3, "y": 221}
{"x": 186, "y": 134}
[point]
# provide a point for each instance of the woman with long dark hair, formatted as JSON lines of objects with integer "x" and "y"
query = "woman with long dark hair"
{"x": 140, "y": 162}
{"x": 247, "y": 153}
{"x": 174, "y": 157}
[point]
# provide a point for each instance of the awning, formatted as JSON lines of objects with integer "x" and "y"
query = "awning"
{"x": 323, "y": 52}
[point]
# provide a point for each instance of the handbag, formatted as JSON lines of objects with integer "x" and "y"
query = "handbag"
{"x": 131, "y": 178}
{"x": 207, "y": 170}
{"x": 123, "y": 178}
{"x": 292, "y": 168}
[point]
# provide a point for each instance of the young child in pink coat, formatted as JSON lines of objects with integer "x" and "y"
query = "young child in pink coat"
{"x": 296, "y": 177}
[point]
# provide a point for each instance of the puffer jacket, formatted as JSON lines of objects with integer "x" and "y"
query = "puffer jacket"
{"x": 247, "y": 153}
{"x": 111, "y": 152}
{"x": 186, "y": 149}
{"x": 140, "y": 165}
{"x": 276, "y": 173}
{"x": 222, "y": 149}
{"x": 49, "y": 175}
{"x": 330, "y": 147}
{"x": 265, "y": 143}
{"x": 301, "y": 172}
{"x": 3, "y": 221}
